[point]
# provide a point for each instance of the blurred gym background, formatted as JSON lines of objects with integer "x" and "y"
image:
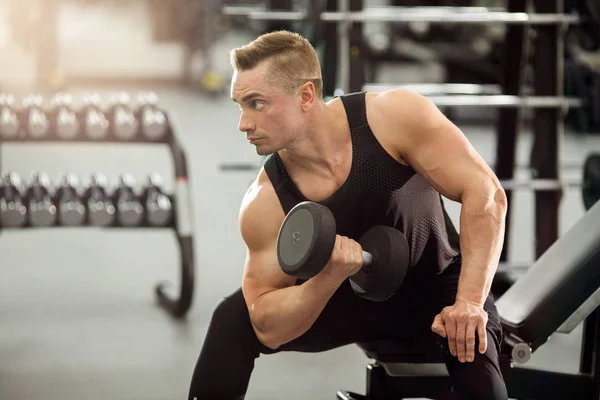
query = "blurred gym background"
{"x": 99, "y": 96}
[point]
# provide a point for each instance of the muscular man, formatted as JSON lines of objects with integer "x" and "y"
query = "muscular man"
{"x": 372, "y": 158}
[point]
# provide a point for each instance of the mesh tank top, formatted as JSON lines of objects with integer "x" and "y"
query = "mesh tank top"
{"x": 380, "y": 190}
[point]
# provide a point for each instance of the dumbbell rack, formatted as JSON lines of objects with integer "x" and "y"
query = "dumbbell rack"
{"x": 181, "y": 221}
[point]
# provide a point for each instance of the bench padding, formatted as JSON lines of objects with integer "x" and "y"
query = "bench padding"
{"x": 559, "y": 282}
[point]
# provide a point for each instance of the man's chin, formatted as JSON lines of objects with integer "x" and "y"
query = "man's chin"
{"x": 263, "y": 150}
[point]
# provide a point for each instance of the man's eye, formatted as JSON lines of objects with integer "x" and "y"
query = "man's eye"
{"x": 256, "y": 105}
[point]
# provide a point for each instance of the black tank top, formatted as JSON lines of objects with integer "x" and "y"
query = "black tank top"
{"x": 380, "y": 191}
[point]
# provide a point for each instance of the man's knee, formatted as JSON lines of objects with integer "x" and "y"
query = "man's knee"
{"x": 482, "y": 378}
{"x": 231, "y": 317}
{"x": 479, "y": 379}
{"x": 231, "y": 311}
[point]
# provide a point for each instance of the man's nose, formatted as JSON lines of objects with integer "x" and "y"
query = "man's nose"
{"x": 245, "y": 123}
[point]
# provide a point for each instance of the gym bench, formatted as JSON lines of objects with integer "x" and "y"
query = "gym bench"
{"x": 557, "y": 293}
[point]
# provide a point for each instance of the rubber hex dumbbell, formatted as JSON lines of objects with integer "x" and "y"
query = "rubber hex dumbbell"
{"x": 305, "y": 243}
{"x": 153, "y": 119}
{"x": 64, "y": 117}
{"x": 158, "y": 207}
{"x": 71, "y": 210}
{"x": 37, "y": 120}
{"x": 121, "y": 118}
{"x": 13, "y": 211}
{"x": 42, "y": 210}
{"x": 9, "y": 120}
{"x": 96, "y": 124}
{"x": 100, "y": 207}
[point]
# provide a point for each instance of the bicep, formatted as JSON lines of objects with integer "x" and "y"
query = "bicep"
{"x": 260, "y": 220}
{"x": 262, "y": 274}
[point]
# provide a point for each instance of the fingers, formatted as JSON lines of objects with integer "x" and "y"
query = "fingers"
{"x": 347, "y": 255}
{"x": 450, "y": 331}
{"x": 438, "y": 326}
{"x": 461, "y": 341}
{"x": 482, "y": 335}
{"x": 472, "y": 328}
{"x": 358, "y": 252}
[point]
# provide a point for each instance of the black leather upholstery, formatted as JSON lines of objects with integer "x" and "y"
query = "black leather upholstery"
{"x": 563, "y": 278}
{"x": 417, "y": 351}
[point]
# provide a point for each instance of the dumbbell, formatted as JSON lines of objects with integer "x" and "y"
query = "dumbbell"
{"x": 123, "y": 120}
{"x": 305, "y": 243}
{"x": 37, "y": 121}
{"x": 101, "y": 210}
{"x": 71, "y": 211}
{"x": 9, "y": 120}
{"x": 158, "y": 206}
{"x": 42, "y": 210}
{"x": 96, "y": 124}
{"x": 67, "y": 125}
{"x": 130, "y": 211}
{"x": 153, "y": 119}
{"x": 13, "y": 211}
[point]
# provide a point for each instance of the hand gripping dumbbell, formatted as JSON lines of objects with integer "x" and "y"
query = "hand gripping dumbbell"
{"x": 101, "y": 210}
{"x": 305, "y": 243}
{"x": 158, "y": 206}
{"x": 153, "y": 119}
{"x": 65, "y": 118}
{"x": 96, "y": 124}
{"x": 13, "y": 211}
{"x": 37, "y": 120}
{"x": 130, "y": 212}
{"x": 42, "y": 210}
{"x": 123, "y": 121}
{"x": 9, "y": 120}
{"x": 71, "y": 211}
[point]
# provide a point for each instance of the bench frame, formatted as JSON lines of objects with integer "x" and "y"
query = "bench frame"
{"x": 405, "y": 379}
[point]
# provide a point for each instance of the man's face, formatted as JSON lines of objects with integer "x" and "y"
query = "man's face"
{"x": 269, "y": 117}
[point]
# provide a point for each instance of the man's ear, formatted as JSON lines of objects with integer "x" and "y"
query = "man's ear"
{"x": 308, "y": 95}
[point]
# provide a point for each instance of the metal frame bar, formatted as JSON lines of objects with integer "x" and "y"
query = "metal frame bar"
{"x": 502, "y": 101}
{"x": 463, "y": 15}
{"x": 516, "y": 51}
{"x": 548, "y": 124}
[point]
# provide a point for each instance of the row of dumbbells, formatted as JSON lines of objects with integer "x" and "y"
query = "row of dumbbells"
{"x": 68, "y": 204}
{"x": 61, "y": 120}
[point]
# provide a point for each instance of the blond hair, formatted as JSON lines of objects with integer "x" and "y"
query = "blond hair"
{"x": 293, "y": 60}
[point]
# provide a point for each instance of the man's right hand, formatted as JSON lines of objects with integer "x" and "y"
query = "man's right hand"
{"x": 346, "y": 259}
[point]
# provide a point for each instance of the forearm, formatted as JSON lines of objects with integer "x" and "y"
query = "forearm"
{"x": 481, "y": 239}
{"x": 282, "y": 315}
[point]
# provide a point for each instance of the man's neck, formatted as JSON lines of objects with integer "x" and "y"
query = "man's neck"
{"x": 323, "y": 147}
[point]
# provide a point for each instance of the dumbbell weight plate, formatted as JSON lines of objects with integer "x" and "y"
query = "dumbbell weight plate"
{"x": 305, "y": 240}
{"x": 591, "y": 180}
{"x": 380, "y": 280}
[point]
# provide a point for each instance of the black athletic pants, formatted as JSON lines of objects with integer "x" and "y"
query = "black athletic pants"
{"x": 230, "y": 348}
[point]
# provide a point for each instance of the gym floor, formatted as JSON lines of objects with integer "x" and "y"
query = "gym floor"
{"x": 79, "y": 317}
